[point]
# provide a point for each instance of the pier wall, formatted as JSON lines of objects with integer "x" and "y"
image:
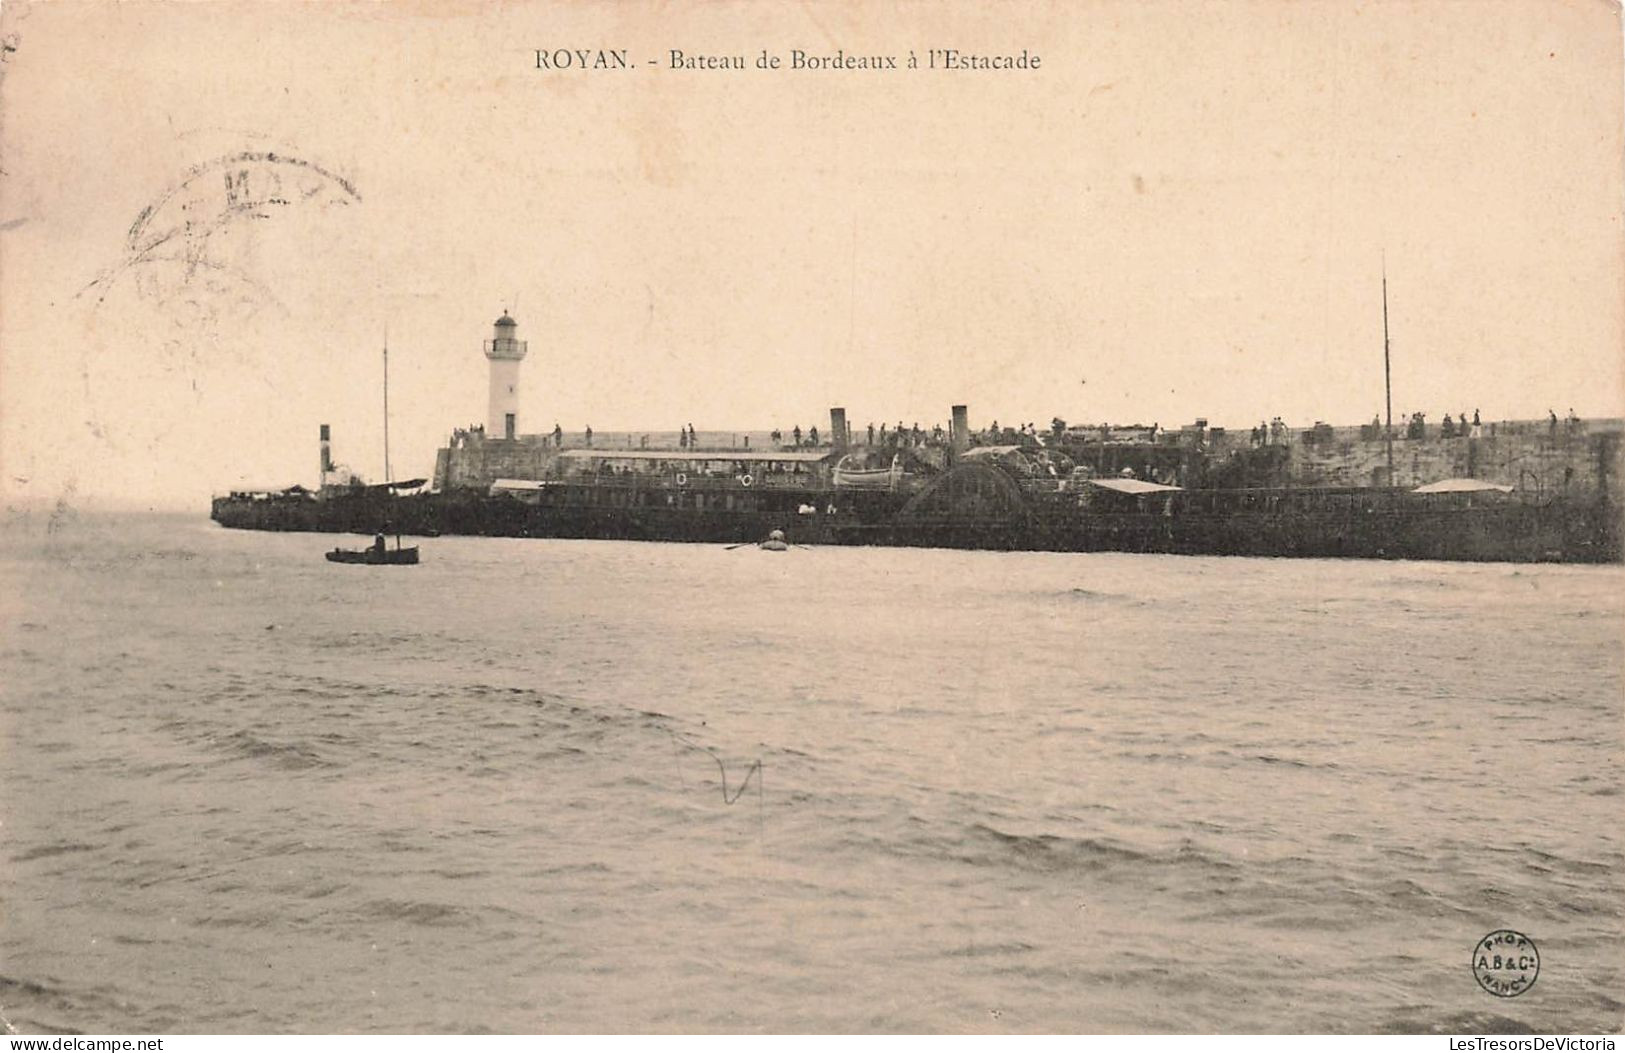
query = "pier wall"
{"x": 1527, "y": 455}
{"x": 1528, "y": 460}
{"x": 478, "y": 464}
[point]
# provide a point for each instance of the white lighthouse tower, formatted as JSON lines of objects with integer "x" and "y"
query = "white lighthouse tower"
{"x": 505, "y": 354}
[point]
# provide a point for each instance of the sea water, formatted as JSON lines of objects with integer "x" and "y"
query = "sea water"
{"x": 567, "y": 785}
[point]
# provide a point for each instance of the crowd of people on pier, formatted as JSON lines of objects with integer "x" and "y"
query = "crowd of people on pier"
{"x": 1573, "y": 424}
{"x": 1473, "y": 426}
{"x": 1449, "y": 428}
{"x": 1275, "y": 433}
{"x": 901, "y": 436}
{"x": 914, "y": 436}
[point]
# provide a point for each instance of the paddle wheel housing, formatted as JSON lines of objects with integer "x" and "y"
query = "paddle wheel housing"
{"x": 969, "y": 492}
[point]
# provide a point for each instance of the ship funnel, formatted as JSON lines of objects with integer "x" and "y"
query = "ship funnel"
{"x": 959, "y": 437}
{"x": 838, "y": 435}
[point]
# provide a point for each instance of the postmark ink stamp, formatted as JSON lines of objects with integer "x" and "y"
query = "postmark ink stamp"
{"x": 194, "y": 233}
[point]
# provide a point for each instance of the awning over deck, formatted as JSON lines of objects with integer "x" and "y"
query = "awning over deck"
{"x": 296, "y": 490}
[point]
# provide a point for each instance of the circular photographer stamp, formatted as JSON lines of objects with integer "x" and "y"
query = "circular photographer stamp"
{"x": 1506, "y": 963}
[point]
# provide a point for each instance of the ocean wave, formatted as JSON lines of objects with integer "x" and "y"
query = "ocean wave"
{"x": 55, "y": 849}
{"x": 1419, "y": 1020}
{"x": 418, "y": 912}
{"x": 990, "y": 950}
{"x": 1090, "y": 595}
{"x": 290, "y": 756}
{"x": 1053, "y": 852}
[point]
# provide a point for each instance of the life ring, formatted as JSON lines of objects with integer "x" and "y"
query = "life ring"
{"x": 682, "y": 479}
{"x": 745, "y": 480}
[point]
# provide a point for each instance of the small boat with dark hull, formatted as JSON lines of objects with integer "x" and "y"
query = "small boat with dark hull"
{"x": 376, "y": 555}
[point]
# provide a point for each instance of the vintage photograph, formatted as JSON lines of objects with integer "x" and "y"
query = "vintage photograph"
{"x": 769, "y": 517}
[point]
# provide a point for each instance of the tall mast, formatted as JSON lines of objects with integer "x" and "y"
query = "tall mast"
{"x": 1387, "y": 373}
{"x": 387, "y": 477}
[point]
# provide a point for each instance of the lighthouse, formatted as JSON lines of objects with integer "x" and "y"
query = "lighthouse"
{"x": 505, "y": 353}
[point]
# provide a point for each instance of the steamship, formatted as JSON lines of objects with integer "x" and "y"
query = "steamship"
{"x": 1520, "y": 495}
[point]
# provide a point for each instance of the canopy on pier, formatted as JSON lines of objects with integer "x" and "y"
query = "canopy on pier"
{"x": 1461, "y": 486}
{"x": 814, "y": 454}
{"x": 395, "y": 484}
{"x": 1131, "y": 486}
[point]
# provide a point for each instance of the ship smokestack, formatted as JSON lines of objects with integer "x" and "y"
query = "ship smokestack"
{"x": 838, "y": 435}
{"x": 959, "y": 436}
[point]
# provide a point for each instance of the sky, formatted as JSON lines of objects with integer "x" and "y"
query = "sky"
{"x": 212, "y": 215}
